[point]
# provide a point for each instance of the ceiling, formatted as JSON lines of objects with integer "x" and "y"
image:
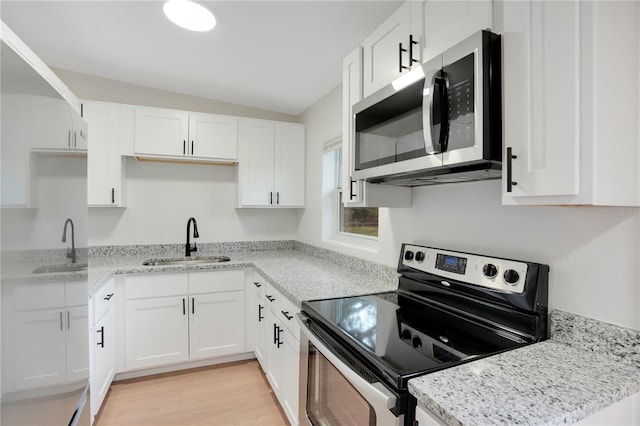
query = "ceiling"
{"x": 276, "y": 55}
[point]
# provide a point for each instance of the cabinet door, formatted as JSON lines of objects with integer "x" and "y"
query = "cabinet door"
{"x": 216, "y": 324}
{"x": 382, "y": 52}
{"x": 260, "y": 323}
{"x": 51, "y": 124}
{"x": 449, "y": 22}
{"x": 157, "y": 331}
{"x": 15, "y": 169}
{"x": 289, "y": 165}
{"x": 542, "y": 105}
{"x": 351, "y": 94}
{"x": 291, "y": 376}
{"x": 103, "y": 160}
{"x": 256, "y": 142}
{"x": 77, "y": 344}
{"x": 274, "y": 352}
{"x": 213, "y": 136}
{"x": 39, "y": 348}
{"x": 161, "y": 131}
{"x": 103, "y": 366}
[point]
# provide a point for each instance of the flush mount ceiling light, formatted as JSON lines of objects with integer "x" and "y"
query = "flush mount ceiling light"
{"x": 189, "y": 15}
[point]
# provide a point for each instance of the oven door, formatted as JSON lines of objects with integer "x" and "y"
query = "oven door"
{"x": 333, "y": 393}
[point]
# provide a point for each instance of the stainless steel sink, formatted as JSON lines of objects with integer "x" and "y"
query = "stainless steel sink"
{"x": 68, "y": 267}
{"x": 182, "y": 261}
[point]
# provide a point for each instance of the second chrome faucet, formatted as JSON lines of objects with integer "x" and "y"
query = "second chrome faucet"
{"x": 188, "y": 247}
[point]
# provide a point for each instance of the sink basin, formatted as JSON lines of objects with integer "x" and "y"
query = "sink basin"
{"x": 162, "y": 262}
{"x": 68, "y": 267}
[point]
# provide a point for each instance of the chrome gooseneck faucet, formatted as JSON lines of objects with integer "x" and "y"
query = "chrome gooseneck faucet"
{"x": 188, "y": 248}
{"x": 71, "y": 253}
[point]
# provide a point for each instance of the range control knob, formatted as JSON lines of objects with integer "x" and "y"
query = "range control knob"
{"x": 419, "y": 256}
{"x": 406, "y": 334}
{"x": 417, "y": 343}
{"x": 408, "y": 255}
{"x": 489, "y": 270}
{"x": 511, "y": 277}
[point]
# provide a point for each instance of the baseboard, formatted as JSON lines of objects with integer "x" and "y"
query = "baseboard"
{"x": 125, "y": 375}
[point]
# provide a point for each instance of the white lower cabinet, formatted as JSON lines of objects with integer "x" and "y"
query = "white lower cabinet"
{"x": 216, "y": 324}
{"x": 50, "y": 335}
{"x": 283, "y": 351}
{"x": 157, "y": 331}
{"x": 171, "y": 318}
{"x": 256, "y": 317}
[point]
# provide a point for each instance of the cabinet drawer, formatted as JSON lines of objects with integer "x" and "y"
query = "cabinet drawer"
{"x": 103, "y": 300}
{"x": 287, "y": 312}
{"x": 38, "y": 295}
{"x": 76, "y": 293}
{"x": 283, "y": 309}
{"x": 215, "y": 281}
{"x": 161, "y": 285}
{"x": 260, "y": 284}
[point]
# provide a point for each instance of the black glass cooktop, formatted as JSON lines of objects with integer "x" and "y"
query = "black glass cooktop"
{"x": 400, "y": 337}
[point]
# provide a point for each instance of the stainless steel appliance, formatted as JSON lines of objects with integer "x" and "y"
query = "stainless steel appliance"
{"x": 450, "y": 308}
{"x": 444, "y": 127}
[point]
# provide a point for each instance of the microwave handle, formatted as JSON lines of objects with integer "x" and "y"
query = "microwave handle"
{"x": 427, "y": 108}
{"x": 443, "y": 140}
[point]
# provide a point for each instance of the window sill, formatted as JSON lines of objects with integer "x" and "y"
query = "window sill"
{"x": 359, "y": 242}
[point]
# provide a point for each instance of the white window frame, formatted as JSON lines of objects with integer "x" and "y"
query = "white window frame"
{"x": 332, "y": 215}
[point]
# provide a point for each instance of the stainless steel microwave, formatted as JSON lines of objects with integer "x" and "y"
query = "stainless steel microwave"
{"x": 440, "y": 123}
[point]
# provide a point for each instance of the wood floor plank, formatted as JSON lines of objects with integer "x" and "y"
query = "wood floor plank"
{"x": 229, "y": 394}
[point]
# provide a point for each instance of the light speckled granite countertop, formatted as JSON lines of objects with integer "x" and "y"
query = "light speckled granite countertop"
{"x": 299, "y": 276}
{"x": 586, "y": 366}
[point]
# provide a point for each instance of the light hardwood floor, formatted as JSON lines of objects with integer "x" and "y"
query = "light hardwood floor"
{"x": 229, "y": 394}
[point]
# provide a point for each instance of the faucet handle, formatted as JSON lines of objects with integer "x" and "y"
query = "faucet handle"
{"x": 69, "y": 254}
{"x": 195, "y": 247}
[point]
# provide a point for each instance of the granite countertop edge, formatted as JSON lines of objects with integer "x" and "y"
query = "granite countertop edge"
{"x": 584, "y": 367}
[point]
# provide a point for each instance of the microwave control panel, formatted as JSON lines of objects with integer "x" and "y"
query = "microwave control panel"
{"x": 490, "y": 272}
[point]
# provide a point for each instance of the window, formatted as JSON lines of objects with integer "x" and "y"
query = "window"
{"x": 343, "y": 221}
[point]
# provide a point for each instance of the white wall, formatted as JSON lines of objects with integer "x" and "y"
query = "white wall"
{"x": 162, "y": 196}
{"x": 593, "y": 252}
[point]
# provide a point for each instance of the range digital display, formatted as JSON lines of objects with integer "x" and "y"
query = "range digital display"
{"x": 455, "y": 264}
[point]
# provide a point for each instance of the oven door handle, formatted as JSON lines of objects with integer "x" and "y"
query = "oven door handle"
{"x": 376, "y": 394}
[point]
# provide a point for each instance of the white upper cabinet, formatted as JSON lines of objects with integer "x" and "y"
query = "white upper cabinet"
{"x": 56, "y": 126}
{"x": 449, "y": 22}
{"x": 16, "y": 169}
{"x": 184, "y": 135}
{"x": 393, "y": 48}
{"x": 271, "y": 164}
{"x": 289, "y": 160}
{"x": 571, "y": 132}
{"x": 161, "y": 132}
{"x": 359, "y": 193}
{"x": 213, "y": 136}
{"x": 106, "y": 173}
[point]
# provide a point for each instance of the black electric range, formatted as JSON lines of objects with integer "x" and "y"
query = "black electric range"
{"x": 450, "y": 308}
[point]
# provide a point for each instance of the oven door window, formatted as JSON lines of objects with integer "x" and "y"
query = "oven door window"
{"x": 331, "y": 399}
